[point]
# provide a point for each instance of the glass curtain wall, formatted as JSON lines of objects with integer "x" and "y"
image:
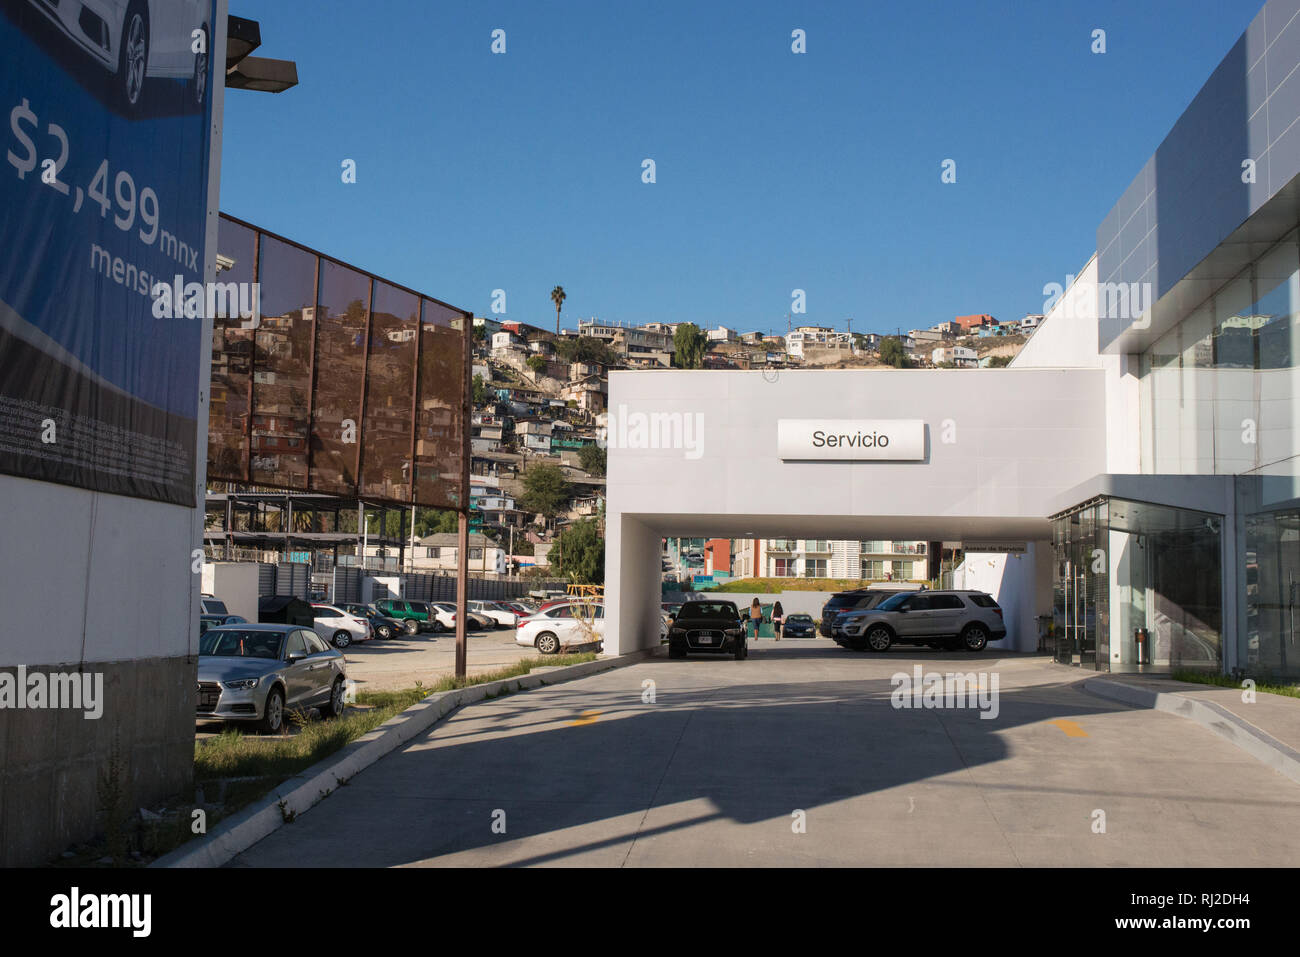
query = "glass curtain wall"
{"x": 1138, "y": 588}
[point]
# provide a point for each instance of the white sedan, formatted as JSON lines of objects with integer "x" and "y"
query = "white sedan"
{"x": 500, "y": 614}
{"x": 135, "y": 39}
{"x": 446, "y": 613}
{"x": 338, "y": 627}
{"x": 558, "y": 625}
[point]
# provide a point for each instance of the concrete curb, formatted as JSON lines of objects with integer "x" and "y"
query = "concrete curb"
{"x": 299, "y": 794}
{"x": 1231, "y": 727}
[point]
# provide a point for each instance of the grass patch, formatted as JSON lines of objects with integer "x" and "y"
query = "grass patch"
{"x": 1226, "y": 681}
{"x": 232, "y": 754}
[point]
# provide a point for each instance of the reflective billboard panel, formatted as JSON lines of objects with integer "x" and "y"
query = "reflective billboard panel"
{"x": 341, "y": 382}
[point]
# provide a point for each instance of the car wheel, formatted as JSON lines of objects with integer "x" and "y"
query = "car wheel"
{"x": 334, "y": 707}
{"x": 411, "y": 626}
{"x": 133, "y": 57}
{"x": 879, "y": 638}
{"x": 975, "y": 638}
{"x": 437, "y": 627}
{"x": 548, "y": 643}
{"x": 273, "y": 712}
{"x": 742, "y": 652}
{"x": 199, "y": 82}
{"x": 384, "y": 631}
{"x": 676, "y": 651}
{"x": 342, "y": 639}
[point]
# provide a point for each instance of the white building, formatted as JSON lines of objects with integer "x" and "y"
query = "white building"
{"x": 815, "y": 337}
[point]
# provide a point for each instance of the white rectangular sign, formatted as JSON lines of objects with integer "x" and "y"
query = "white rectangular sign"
{"x": 894, "y": 440}
{"x": 995, "y": 548}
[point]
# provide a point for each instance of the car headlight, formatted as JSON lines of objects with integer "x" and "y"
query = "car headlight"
{"x": 676, "y": 631}
{"x": 243, "y": 684}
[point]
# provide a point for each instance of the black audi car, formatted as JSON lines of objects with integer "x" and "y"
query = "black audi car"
{"x": 708, "y": 626}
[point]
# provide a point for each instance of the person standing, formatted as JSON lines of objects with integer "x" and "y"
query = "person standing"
{"x": 755, "y": 616}
{"x": 778, "y": 616}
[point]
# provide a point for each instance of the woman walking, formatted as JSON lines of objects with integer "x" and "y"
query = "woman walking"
{"x": 778, "y": 616}
{"x": 755, "y": 616}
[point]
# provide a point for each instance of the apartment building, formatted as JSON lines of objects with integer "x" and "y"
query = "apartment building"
{"x": 823, "y": 558}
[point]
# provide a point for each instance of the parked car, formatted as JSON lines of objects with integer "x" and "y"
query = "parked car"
{"x": 213, "y": 621}
{"x": 799, "y": 626}
{"x": 384, "y": 626}
{"x": 940, "y": 619}
{"x": 138, "y": 40}
{"x": 210, "y": 605}
{"x": 340, "y": 628}
{"x": 416, "y": 616}
{"x": 712, "y": 626}
{"x": 520, "y": 608}
{"x": 256, "y": 672}
{"x": 565, "y": 622}
{"x": 473, "y": 621}
{"x": 841, "y": 603}
{"x": 496, "y": 612}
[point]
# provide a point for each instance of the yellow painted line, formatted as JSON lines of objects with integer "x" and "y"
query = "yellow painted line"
{"x": 1071, "y": 728}
{"x": 587, "y": 717}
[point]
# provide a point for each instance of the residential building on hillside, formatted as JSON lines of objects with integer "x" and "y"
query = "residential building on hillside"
{"x": 961, "y": 356}
{"x": 821, "y": 558}
{"x": 721, "y": 334}
{"x": 818, "y": 337}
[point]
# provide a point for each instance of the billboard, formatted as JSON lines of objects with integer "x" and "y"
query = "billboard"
{"x": 334, "y": 380}
{"x": 103, "y": 202}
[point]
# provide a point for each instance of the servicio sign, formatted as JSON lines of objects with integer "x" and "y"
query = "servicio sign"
{"x": 893, "y": 440}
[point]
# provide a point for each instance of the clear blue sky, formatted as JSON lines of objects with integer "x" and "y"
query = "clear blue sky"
{"x": 775, "y": 171}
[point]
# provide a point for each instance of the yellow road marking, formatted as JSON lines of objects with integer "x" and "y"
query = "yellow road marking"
{"x": 1071, "y": 728}
{"x": 587, "y": 717}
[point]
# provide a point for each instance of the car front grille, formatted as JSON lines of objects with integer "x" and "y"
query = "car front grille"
{"x": 696, "y": 638}
{"x": 209, "y": 695}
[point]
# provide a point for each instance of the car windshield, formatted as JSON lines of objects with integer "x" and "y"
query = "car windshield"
{"x": 238, "y": 643}
{"x": 794, "y": 618}
{"x": 893, "y": 601}
{"x": 715, "y": 610}
{"x": 844, "y": 601}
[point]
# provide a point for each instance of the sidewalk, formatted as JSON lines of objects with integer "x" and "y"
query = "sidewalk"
{"x": 1267, "y": 728}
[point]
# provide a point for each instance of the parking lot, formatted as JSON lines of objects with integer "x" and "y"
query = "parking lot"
{"x": 797, "y": 756}
{"x": 397, "y": 663}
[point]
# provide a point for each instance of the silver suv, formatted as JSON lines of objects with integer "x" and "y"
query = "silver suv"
{"x": 940, "y": 619}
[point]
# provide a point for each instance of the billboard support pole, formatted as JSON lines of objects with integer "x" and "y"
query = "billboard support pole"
{"x": 462, "y": 589}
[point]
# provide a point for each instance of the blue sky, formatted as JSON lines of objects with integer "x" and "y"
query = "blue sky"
{"x": 775, "y": 171}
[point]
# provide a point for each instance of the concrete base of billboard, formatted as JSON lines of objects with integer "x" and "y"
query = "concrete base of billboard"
{"x": 54, "y": 762}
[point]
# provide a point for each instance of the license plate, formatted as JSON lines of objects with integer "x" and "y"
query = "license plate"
{"x": 706, "y": 639}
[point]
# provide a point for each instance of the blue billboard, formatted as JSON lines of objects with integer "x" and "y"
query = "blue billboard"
{"x": 103, "y": 201}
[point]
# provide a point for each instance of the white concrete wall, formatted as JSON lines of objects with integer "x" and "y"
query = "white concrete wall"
{"x": 1014, "y": 581}
{"x": 89, "y": 577}
{"x": 1067, "y": 339}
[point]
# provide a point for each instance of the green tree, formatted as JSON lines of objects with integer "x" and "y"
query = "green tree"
{"x": 480, "y": 332}
{"x": 581, "y": 553}
{"x": 478, "y": 390}
{"x": 892, "y": 353}
{"x": 1000, "y": 362}
{"x": 537, "y": 364}
{"x": 545, "y": 490}
{"x": 558, "y": 297}
{"x": 586, "y": 349}
{"x": 593, "y": 459}
{"x": 688, "y": 346}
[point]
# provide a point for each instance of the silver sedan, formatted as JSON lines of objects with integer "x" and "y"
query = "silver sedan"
{"x": 257, "y": 673}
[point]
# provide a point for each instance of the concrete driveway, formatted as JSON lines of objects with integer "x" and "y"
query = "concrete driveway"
{"x": 716, "y": 767}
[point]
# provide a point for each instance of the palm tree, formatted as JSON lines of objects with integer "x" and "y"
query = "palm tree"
{"x": 558, "y": 297}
